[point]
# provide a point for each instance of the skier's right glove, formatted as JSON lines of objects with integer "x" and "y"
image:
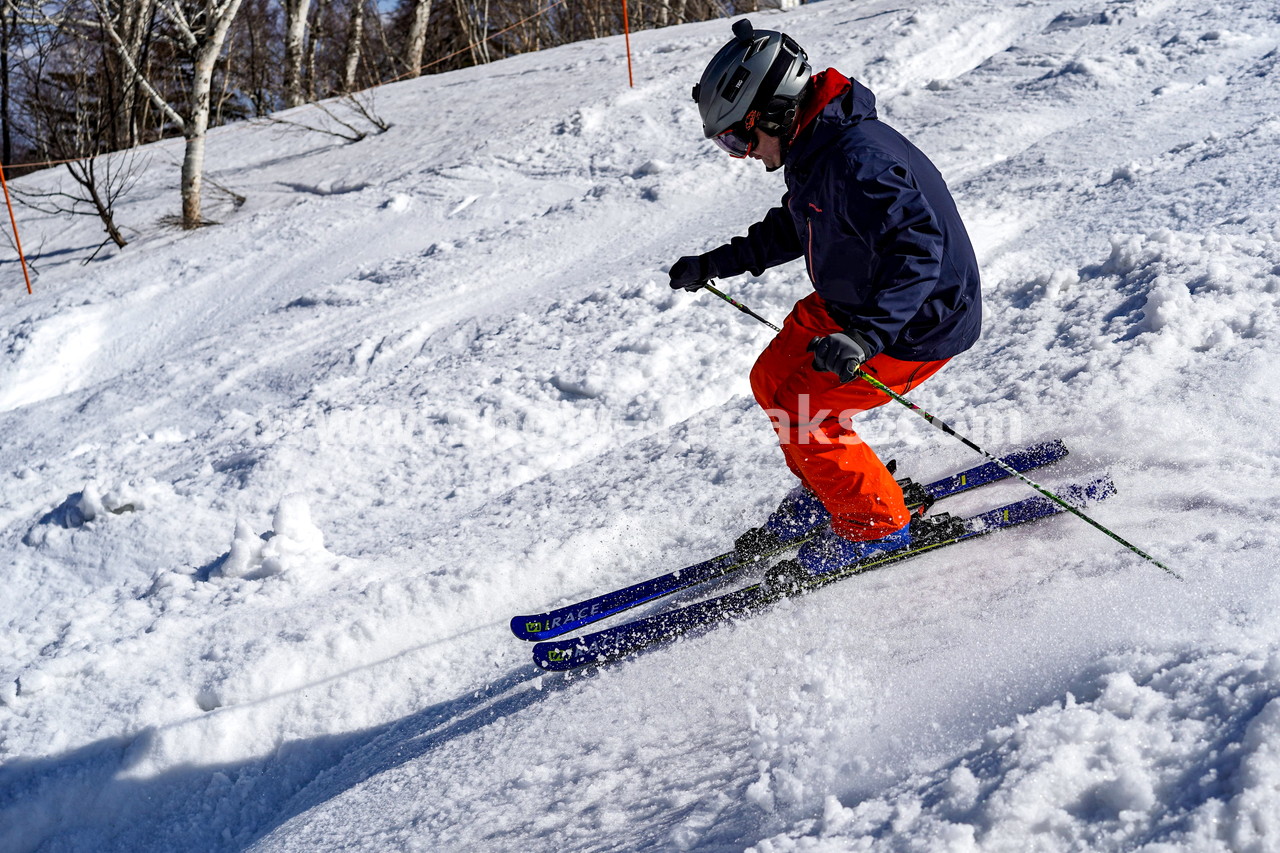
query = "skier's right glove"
{"x": 690, "y": 273}
{"x": 841, "y": 354}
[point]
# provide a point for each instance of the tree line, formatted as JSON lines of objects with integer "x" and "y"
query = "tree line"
{"x": 82, "y": 78}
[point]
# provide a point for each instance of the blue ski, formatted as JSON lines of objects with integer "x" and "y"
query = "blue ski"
{"x": 554, "y": 623}
{"x": 938, "y": 532}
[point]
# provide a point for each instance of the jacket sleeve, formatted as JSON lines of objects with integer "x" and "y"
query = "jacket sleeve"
{"x": 902, "y": 232}
{"x": 771, "y": 241}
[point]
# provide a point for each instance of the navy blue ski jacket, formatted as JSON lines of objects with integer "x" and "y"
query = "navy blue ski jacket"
{"x": 879, "y": 231}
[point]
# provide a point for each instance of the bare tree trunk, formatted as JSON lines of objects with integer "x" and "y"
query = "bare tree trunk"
{"x": 195, "y": 132}
{"x": 8, "y": 29}
{"x": 464, "y": 21}
{"x": 220, "y": 15}
{"x": 250, "y": 69}
{"x": 355, "y": 38}
{"x": 204, "y": 39}
{"x": 319, "y": 33}
{"x": 482, "y": 35}
{"x": 71, "y": 113}
{"x": 193, "y": 181}
{"x": 295, "y": 28}
{"x": 475, "y": 29}
{"x": 101, "y": 195}
{"x": 135, "y": 28}
{"x": 391, "y": 57}
{"x": 417, "y": 41}
{"x": 131, "y": 26}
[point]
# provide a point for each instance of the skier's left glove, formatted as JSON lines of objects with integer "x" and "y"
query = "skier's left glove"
{"x": 842, "y": 354}
{"x": 690, "y": 273}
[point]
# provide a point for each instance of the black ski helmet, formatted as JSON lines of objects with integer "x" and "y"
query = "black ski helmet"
{"x": 756, "y": 80}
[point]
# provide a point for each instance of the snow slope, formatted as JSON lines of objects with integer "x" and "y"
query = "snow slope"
{"x": 442, "y": 367}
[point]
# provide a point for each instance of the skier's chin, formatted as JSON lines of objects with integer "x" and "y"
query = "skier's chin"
{"x": 769, "y": 168}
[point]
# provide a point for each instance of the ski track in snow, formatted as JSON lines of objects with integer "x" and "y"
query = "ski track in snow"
{"x": 443, "y": 369}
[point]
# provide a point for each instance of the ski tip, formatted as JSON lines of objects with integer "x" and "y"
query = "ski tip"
{"x": 558, "y": 657}
{"x": 1046, "y": 451}
{"x": 530, "y": 628}
{"x": 1098, "y": 489}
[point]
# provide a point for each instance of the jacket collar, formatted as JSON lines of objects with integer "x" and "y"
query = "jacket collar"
{"x": 827, "y": 86}
{"x": 835, "y": 103}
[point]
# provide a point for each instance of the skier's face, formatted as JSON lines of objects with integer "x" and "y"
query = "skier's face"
{"x": 768, "y": 150}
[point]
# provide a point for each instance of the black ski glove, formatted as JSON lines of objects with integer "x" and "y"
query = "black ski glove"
{"x": 690, "y": 273}
{"x": 841, "y": 354}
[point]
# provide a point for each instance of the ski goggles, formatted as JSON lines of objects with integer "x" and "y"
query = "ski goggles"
{"x": 737, "y": 141}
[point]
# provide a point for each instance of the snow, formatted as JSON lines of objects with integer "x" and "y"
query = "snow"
{"x": 273, "y": 489}
{"x": 1192, "y": 728}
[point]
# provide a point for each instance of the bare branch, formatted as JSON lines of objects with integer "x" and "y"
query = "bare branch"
{"x": 179, "y": 18}
{"x": 123, "y": 52}
{"x": 361, "y": 107}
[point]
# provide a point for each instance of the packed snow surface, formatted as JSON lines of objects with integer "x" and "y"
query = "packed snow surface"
{"x": 273, "y": 489}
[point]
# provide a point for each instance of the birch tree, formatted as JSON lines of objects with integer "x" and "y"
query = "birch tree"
{"x": 319, "y": 34}
{"x": 8, "y": 44}
{"x": 133, "y": 22}
{"x": 72, "y": 115}
{"x": 295, "y": 31}
{"x": 417, "y": 41}
{"x": 201, "y": 26}
{"x": 355, "y": 38}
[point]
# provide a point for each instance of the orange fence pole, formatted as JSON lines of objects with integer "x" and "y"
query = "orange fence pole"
{"x": 17, "y": 241}
{"x": 626, "y": 28}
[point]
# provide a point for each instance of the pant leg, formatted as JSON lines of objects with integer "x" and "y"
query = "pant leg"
{"x": 786, "y": 355}
{"x": 812, "y": 414}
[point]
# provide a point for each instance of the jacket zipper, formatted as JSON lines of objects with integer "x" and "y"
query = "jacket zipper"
{"x": 808, "y": 255}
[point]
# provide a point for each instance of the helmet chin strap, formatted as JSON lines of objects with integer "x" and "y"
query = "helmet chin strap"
{"x": 784, "y": 130}
{"x": 793, "y": 128}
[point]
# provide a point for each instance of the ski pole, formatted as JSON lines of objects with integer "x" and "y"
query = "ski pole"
{"x": 736, "y": 304}
{"x": 945, "y": 427}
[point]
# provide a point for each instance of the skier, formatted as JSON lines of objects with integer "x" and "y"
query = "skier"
{"x": 896, "y": 288}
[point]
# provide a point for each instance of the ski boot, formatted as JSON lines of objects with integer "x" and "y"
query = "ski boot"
{"x": 798, "y": 514}
{"x": 829, "y": 552}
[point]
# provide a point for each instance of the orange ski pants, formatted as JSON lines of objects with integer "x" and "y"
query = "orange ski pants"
{"x": 812, "y": 413}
